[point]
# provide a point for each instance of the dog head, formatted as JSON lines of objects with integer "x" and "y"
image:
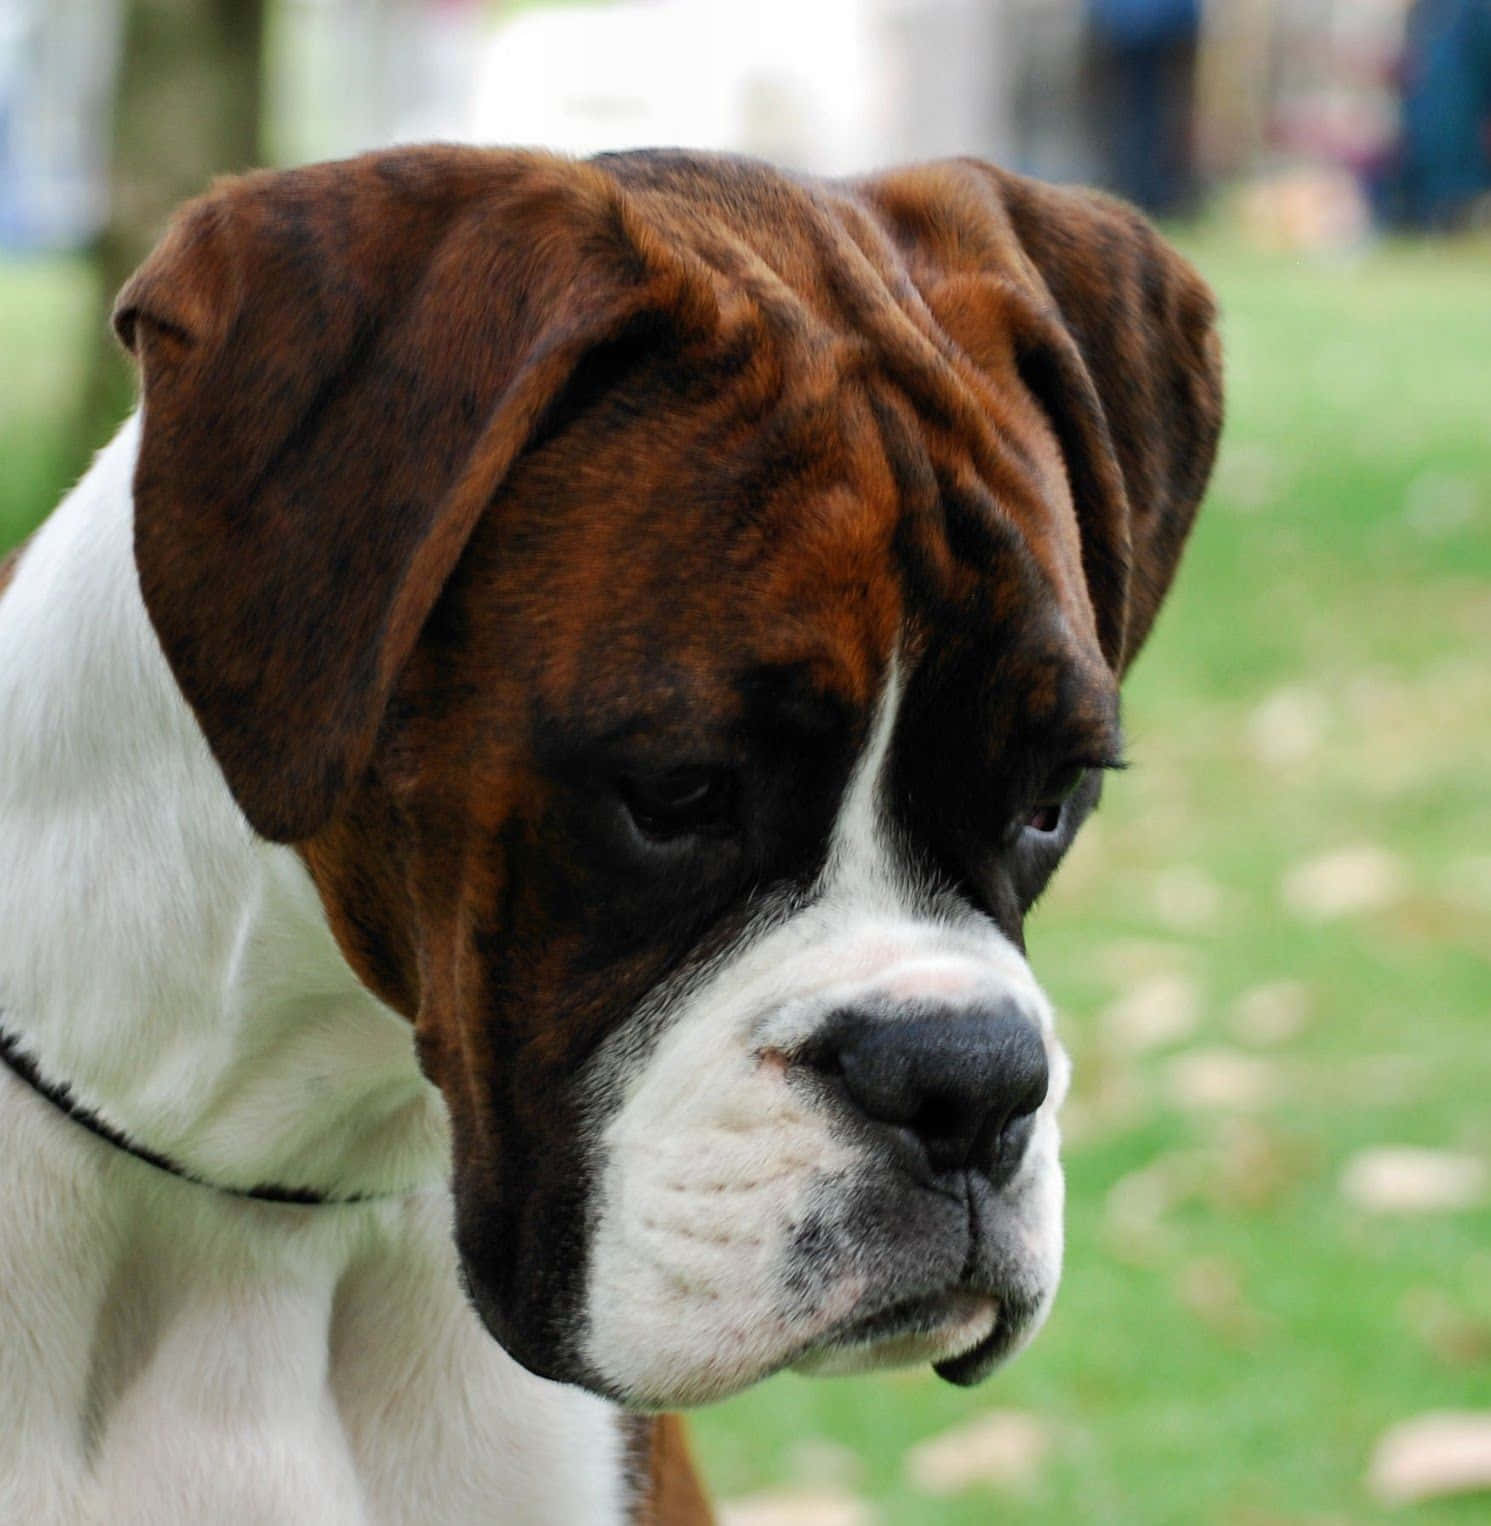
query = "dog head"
{"x": 677, "y": 611}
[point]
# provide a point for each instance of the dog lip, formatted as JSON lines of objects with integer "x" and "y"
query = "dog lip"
{"x": 973, "y": 1366}
{"x": 924, "y": 1315}
{"x": 921, "y": 1314}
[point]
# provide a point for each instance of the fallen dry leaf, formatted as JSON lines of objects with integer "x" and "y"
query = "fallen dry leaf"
{"x": 1137, "y": 1204}
{"x": 815, "y": 1462}
{"x": 804, "y": 1507}
{"x": 1128, "y": 960}
{"x": 1162, "y": 1009}
{"x": 1211, "y": 1288}
{"x": 1223, "y": 1078}
{"x": 1271, "y": 1014}
{"x": 1249, "y": 477}
{"x": 1004, "y": 1448}
{"x": 1444, "y": 1452}
{"x": 1406, "y": 1179}
{"x": 1456, "y": 1337}
{"x": 1363, "y": 877}
{"x": 1186, "y": 898}
{"x": 1252, "y": 1165}
{"x": 1111, "y": 1100}
{"x": 1397, "y": 714}
{"x": 1288, "y": 726}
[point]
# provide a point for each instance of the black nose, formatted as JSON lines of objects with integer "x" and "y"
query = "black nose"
{"x": 964, "y": 1082}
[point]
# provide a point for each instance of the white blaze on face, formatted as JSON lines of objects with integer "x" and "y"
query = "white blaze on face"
{"x": 713, "y": 1160}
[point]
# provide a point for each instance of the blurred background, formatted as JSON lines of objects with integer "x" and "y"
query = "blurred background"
{"x": 1272, "y": 947}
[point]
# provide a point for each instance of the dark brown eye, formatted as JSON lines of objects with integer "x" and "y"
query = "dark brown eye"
{"x": 1046, "y": 817}
{"x": 681, "y": 802}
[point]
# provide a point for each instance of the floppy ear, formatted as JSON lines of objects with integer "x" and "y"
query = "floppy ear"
{"x": 340, "y": 365}
{"x": 1143, "y": 323}
{"x": 1115, "y": 336}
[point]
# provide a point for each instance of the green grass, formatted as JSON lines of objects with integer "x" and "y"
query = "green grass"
{"x": 45, "y": 311}
{"x": 1232, "y": 1360}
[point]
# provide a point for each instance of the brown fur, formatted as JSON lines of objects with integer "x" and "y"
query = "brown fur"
{"x": 670, "y": 1494}
{"x": 458, "y": 462}
{"x": 8, "y": 564}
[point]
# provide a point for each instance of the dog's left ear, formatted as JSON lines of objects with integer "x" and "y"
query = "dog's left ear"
{"x": 1114, "y": 334}
{"x": 341, "y": 365}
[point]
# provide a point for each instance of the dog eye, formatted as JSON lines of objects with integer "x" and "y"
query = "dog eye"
{"x": 1046, "y": 817}
{"x": 682, "y": 802}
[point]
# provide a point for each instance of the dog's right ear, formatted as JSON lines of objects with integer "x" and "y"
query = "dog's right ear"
{"x": 1113, "y": 334}
{"x": 340, "y": 365}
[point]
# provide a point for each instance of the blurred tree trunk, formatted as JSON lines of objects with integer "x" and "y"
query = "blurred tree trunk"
{"x": 188, "y": 107}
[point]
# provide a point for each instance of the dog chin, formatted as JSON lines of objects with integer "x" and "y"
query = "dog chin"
{"x": 963, "y": 1332}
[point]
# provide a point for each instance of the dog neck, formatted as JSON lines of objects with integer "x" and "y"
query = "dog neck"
{"x": 167, "y": 968}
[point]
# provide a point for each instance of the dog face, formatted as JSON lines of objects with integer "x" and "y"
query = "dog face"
{"x": 684, "y": 615}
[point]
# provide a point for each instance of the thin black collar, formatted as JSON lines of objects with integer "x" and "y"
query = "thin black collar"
{"x": 60, "y": 1096}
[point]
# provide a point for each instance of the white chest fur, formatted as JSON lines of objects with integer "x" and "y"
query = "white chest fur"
{"x": 169, "y": 1354}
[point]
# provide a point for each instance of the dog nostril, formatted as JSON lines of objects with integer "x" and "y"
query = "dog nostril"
{"x": 964, "y": 1083}
{"x": 940, "y": 1118}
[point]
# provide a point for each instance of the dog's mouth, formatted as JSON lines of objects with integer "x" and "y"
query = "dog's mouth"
{"x": 946, "y": 1329}
{"x": 964, "y": 1327}
{"x": 1016, "y": 1324}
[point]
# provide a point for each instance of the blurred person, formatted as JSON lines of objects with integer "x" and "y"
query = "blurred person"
{"x": 1052, "y": 129}
{"x": 1145, "y": 53}
{"x": 1444, "y": 155}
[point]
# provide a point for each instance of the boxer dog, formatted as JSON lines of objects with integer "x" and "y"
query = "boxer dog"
{"x": 521, "y": 772}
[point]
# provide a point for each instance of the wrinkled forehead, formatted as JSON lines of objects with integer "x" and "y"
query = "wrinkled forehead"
{"x": 679, "y": 532}
{"x": 709, "y": 532}
{"x": 776, "y": 511}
